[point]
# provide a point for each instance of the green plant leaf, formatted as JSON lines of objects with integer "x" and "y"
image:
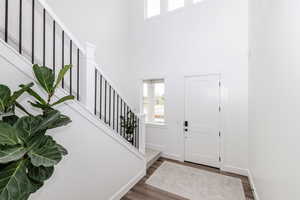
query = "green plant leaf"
{"x": 46, "y": 154}
{"x": 62, "y": 149}
{"x": 4, "y": 97}
{"x": 66, "y": 98}
{"x": 48, "y": 119}
{"x": 18, "y": 93}
{"x": 34, "y": 94}
{"x": 8, "y": 135}
{"x": 39, "y": 105}
{"x": 11, "y": 153}
{"x": 11, "y": 120}
{"x": 45, "y": 77}
{"x": 36, "y": 140}
{"x": 24, "y": 197}
{"x": 61, "y": 75}
{"x": 14, "y": 182}
{"x": 39, "y": 174}
{"x": 63, "y": 120}
{"x": 34, "y": 186}
{"x": 27, "y": 127}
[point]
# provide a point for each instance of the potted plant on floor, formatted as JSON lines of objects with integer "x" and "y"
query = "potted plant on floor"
{"x": 27, "y": 154}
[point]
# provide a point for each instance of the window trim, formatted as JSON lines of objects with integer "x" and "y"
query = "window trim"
{"x": 146, "y": 16}
{"x": 156, "y": 125}
{"x": 153, "y": 124}
{"x": 174, "y": 9}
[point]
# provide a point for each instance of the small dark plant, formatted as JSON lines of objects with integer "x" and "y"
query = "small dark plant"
{"x": 27, "y": 154}
{"x": 129, "y": 123}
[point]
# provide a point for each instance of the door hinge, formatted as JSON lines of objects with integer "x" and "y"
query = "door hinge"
{"x": 220, "y": 160}
{"x": 220, "y": 134}
{"x": 219, "y": 83}
{"x": 219, "y": 108}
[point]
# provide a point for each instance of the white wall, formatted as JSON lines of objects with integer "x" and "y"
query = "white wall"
{"x": 105, "y": 24}
{"x": 97, "y": 166}
{"x": 274, "y": 87}
{"x": 209, "y": 37}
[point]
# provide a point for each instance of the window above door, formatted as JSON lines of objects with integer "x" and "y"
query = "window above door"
{"x": 175, "y": 4}
{"x": 152, "y": 8}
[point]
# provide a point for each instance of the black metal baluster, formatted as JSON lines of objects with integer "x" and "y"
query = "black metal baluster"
{"x": 117, "y": 113}
{"x": 78, "y": 69}
{"x": 100, "y": 96}
{"x": 105, "y": 95}
{"x": 54, "y": 44}
{"x": 63, "y": 56}
{"x": 138, "y": 133}
{"x": 134, "y": 130}
{"x": 127, "y": 120}
{"x": 32, "y": 35}
{"x": 95, "y": 108}
{"x": 44, "y": 37}
{"x": 6, "y": 21}
{"x": 114, "y": 104}
{"x": 122, "y": 122}
{"x": 109, "y": 123}
{"x": 20, "y": 25}
{"x": 124, "y": 108}
{"x": 71, "y": 62}
{"x": 121, "y": 110}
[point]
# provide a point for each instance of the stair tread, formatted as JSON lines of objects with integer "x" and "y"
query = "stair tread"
{"x": 151, "y": 156}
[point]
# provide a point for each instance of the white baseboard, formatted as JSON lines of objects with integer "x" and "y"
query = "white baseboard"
{"x": 163, "y": 154}
{"x": 235, "y": 170}
{"x": 253, "y": 185}
{"x": 243, "y": 172}
{"x": 172, "y": 156}
{"x": 118, "y": 195}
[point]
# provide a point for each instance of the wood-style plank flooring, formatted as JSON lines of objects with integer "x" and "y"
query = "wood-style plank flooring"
{"x": 142, "y": 191}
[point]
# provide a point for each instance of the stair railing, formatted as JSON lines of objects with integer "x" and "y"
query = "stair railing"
{"x": 108, "y": 104}
{"x": 35, "y": 32}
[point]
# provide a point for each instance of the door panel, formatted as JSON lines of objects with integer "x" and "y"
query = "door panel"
{"x": 202, "y": 101}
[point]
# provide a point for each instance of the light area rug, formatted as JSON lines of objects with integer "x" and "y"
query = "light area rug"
{"x": 196, "y": 184}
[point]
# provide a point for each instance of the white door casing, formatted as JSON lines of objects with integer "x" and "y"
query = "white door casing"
{"x": 202, "y": 112}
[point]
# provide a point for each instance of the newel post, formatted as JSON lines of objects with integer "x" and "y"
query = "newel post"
{"x": 142, "y": 138}
{"x": 90, "y": 76}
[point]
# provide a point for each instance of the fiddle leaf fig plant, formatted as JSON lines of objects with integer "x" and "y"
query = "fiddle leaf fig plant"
{"x": 27, "y": 154}
{"x": 46, "y": 79}
{"x": 8, "y": 101}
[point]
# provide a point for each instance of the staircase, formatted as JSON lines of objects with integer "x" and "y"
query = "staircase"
{"x": 31, "y": 33}
{"x": 47, "y": 42}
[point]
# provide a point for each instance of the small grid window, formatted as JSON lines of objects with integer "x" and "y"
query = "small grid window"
{"x": 152, "y": 8}
{"x": 175, "y": 4}
{"x": 154, "y": 101}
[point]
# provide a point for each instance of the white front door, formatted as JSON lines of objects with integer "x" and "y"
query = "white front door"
{"x": 202, "y": 118}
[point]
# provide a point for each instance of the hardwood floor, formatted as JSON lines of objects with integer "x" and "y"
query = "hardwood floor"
{"x": 142, "y": 191}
